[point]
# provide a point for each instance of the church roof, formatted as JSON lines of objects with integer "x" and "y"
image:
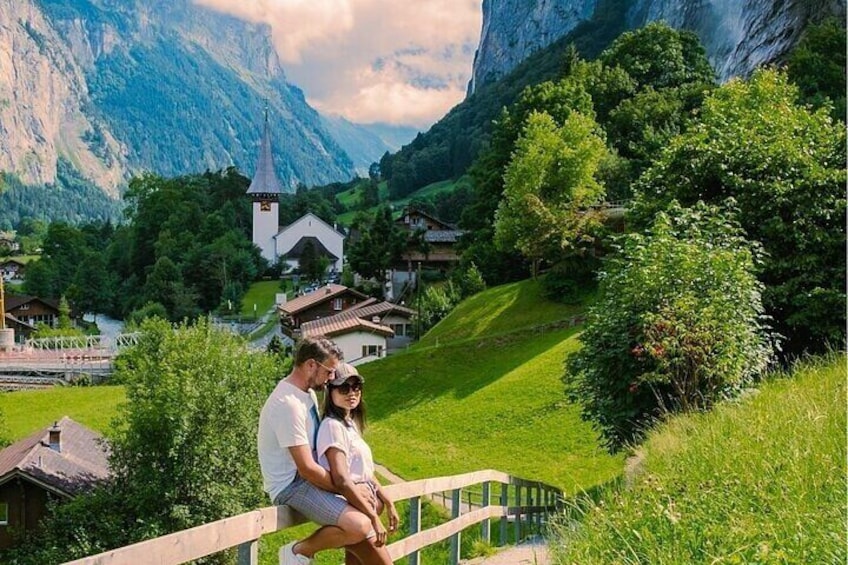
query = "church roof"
{"x": 265, "y": 179}
{"x": 297, "y": 249}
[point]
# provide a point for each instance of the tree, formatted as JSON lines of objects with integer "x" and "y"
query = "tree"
{"x": 184, "y": 449}
{"x": 785, "y": 166}
{"x": 817, "y": 66}
{"x": 549, "y": 187}
{"x": 678, "y": 324}
{"x": 312, "y": 264}
{"x": 378, "y": 244}
{"x": 64, "y": 322}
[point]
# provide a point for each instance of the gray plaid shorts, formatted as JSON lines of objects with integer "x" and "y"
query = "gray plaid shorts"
{"x": 318, "y": 505}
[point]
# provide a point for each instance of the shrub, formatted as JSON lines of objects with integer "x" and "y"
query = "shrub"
{"x": 678, "y": 324}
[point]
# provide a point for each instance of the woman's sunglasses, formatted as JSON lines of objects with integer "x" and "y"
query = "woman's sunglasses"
{"x": 347, "y": 387}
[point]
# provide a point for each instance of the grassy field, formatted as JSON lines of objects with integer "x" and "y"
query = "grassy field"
{"x": 762, "y": 480}
{"x": 350, "y": 197}
{"x": 262, "y": 294}
{"x": 27, "y": 411}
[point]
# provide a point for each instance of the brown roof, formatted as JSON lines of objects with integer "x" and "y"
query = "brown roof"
{"x": 357, "y": 317}
{"x": 336, "y": 325}
{"x": 15, "y": 300}
{"x": 318, "y": 296}
{"x": 80, "y": 465}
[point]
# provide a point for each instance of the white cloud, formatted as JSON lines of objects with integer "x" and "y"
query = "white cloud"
{"x": 372, "y": 60}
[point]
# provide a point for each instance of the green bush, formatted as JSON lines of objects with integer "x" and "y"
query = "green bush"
{"x": 678, "y": 324}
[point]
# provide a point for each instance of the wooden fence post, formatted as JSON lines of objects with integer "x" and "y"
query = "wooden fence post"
{"x": 414, "y": 524}
{"x": 517, "y": 513}
{"x": 248, "y": 553}
{"x": 504, "y": 503}
{"x": 456, "y": 504}
{"x": 486, "y": 532}
{"x": 539, "y": 513}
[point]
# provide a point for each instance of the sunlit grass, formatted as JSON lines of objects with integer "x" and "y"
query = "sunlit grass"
{"x": 761, "y": 480}
{"x": 262, "y": 294}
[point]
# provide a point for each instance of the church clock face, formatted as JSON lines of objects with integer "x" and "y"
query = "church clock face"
{"x": 264, "y": 205}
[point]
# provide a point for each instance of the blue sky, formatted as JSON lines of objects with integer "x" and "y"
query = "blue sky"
{"x": 395, "y": 61}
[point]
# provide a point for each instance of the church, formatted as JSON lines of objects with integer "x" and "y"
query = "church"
{"x": 287, "y": 242}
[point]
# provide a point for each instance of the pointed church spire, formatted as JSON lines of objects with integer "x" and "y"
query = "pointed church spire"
{"x": 265, "y": 179}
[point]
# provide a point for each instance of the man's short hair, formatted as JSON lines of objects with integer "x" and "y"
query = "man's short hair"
{"x": 316, "y": 347}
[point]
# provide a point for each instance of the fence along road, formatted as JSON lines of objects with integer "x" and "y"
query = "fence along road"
{"x": 532, "y": 503}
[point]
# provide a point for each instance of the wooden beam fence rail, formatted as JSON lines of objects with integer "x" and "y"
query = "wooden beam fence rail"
{"x": 244, "y": 531}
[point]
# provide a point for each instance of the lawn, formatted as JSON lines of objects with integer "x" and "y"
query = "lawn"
{"x": 26, "y": 411}
{"x": 760, "y": 480}
{"x": 499, "y": 310}
{"x": 349, "y": 197}
{"x": 262, "y": 294}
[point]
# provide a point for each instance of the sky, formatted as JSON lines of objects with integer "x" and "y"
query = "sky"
{"x": 403, "y": 62}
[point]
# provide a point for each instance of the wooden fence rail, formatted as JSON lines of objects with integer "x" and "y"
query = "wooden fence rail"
{"x": 243, "y": 531}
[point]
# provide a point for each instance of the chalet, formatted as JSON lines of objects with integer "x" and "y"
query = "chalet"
{"x": 8, "y": 243}
{"x": 324, "y": 302}
{"x": 12, "y": 268}
{"x": 366, "y": 331}
{"x": 32, "y": 310}
{"x": 55, "y": 463}
{"x": 431, "y": 242}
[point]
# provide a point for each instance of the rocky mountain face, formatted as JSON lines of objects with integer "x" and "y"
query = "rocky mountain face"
{"x": 738, "y": 35}
{"x": 116, "y": 87}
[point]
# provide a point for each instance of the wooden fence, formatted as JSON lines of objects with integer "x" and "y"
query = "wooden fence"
{"x": 532, "y": 501}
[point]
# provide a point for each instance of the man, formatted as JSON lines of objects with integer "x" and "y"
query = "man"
{"x": 288, "y": 425}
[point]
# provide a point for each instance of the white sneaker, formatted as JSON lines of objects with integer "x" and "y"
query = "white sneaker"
{"x": 289, "y": 557}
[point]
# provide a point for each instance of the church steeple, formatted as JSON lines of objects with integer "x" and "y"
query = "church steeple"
{"x": 265, "y": 191}
{"x": 265, "y": 180}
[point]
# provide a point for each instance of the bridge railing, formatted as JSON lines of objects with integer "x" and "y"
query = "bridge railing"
{"x": 532, "y": 502}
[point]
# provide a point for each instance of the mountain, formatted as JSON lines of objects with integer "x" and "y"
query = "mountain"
{"x": 366, "y": 143}
{"x": 96, "y": 91}
{"x": 738, "y": 36}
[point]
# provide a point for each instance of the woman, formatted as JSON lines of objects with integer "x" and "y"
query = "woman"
{"x": 342, "y": 451}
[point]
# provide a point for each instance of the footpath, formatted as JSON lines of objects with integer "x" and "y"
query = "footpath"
{"x": 530, "y": 552}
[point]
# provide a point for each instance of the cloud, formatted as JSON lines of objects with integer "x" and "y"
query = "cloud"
{"x": 372, "y": 60}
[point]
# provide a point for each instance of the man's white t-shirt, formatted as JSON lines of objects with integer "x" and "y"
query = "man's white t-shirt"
{"x": 335, "y": 433}
{"x": 288, "y": 418}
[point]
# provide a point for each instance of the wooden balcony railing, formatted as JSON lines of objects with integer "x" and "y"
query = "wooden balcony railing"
{"x": 532, "y": 502}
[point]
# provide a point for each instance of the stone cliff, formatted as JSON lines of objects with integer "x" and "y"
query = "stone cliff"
{"x": 737, "y": 35}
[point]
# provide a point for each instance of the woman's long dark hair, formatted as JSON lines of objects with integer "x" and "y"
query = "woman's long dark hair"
{"x": 333, "y": 411}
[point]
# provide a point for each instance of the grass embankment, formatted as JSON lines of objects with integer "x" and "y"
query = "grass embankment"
{"x": 26, "y": 411}
{"x": 351, "y": 197}
{"x": 262, "y": 295}
{"x": 762, "y": 480}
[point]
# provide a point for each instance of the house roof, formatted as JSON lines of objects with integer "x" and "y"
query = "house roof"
{"x": 358, "y": 317}
{"x": 297, "y": 249}
{"x": 318, "y": 296}
{"x": 15, "y": 300}
{"x": 410, "y": 210}
{"x": 13, "y": 260}
{"x": 80, "y": 465}
{"x": 11, "y": 320}
{"x": 265, "y": 180}
{"x": 338, "y": 325}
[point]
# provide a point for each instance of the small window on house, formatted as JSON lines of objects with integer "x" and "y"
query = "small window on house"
{"x": 369, "y": 350}
{"x": 337, "y": 304}
{"x": 4, "y": 513}
{"x": 24, "y": 306}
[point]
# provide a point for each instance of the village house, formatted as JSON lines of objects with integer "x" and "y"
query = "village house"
{"x": 437, "y": 246}
{"x": 324, "y": 302}
{"x": 55, "y": 463}
{"x": 32, "y": 310}
{"x": 369, "y": 330}
{"x": 8, "y": 243}
{"x": 11, "y": 268}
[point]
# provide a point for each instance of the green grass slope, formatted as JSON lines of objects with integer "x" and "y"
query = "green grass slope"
{"x": 486, "y": 397}
{"x": 762, "y": 480}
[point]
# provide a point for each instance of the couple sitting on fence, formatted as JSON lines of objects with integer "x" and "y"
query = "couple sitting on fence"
{"x": 324, "y": 469}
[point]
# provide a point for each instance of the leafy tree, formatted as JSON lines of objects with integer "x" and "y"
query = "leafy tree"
{"x": 379, "y": 242}
{"x": 785, "y": 166}
{"x": 678, "y": 324}
{"x": 184, "y": 449}
{"x": 549, "y": 186}
{"x": 312, "y": 264}
{"x": 817, "y": 66}
{"x": 149, "y": 310}
{"x": 64, "y": 321}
